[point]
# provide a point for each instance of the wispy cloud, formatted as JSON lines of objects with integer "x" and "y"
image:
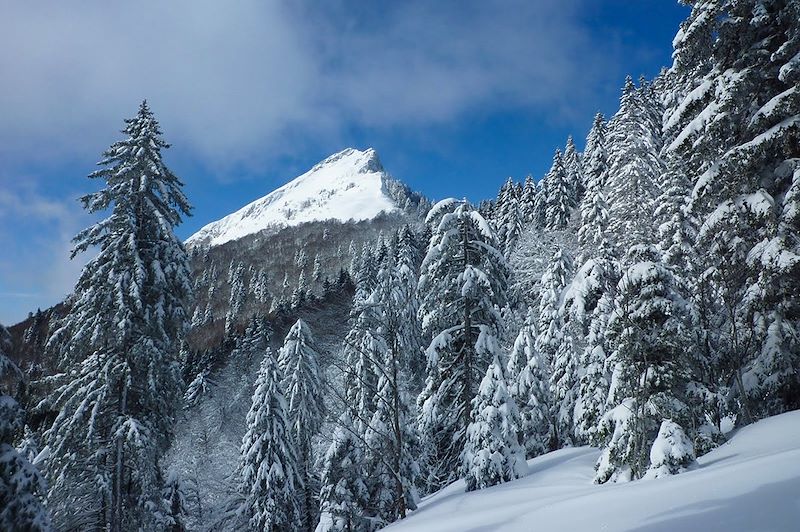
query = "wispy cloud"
{"x": 232, "y": 82}
{"x": 36, "y": 232}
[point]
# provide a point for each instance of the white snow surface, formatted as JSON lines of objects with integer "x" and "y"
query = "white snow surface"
{"x": 750, "y": 483}
{"x": 348, "y": 185}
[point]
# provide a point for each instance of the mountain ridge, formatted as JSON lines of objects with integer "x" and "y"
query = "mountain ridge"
{"x": 350, "y": 185}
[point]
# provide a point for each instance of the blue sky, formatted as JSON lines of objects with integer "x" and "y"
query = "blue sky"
{"x": 454, "y": 95}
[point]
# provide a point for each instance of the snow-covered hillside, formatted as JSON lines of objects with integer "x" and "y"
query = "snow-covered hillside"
{"x": 350, "y": 185}
{"x": 750, "y": 483}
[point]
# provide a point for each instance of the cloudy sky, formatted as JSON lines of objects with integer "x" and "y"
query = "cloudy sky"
{"x": 455, "y": 96}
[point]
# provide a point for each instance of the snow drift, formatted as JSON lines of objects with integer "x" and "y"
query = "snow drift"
{"x": 750, "y": 483}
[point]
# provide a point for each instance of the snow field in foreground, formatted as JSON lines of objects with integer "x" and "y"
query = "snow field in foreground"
{"x": 752, "y": 483}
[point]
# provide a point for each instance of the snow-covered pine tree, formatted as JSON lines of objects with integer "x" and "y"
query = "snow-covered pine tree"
{"x": 593, "y": 207}
{"x": 316, "y": 274}
{"x": 299, "y": 363}
{"x": 21, "y": 484}
{"x": 462, "y": 285}
{"x": 554, "y": 280}
{"x": 529, "y": 386}
{"x": 362, "y": 350}
{"x": 508, "y": 217}
{"x": 602, "y": 276}
{"x": 301, "y": 260}
{"x": 175, "y": 503}
{"x": 492, "y": 453}
{"x": 594, "y": 221}
{"x": 742, "y": 119}
{"x": 595, "y": 155}
{"x": 527, "y": 202}
{"x": 390, "y": 437}
{"x": 677, "y": 230}
{"x": 259, "y": 286}
{"x": 573, "y": 165}
{"x": 564, "y": 385}
{"x": 672, "y": 451}
{"x": 366, "y": 275}
{"x": 540, "y": 203}
{"x": 122, "y": 336}
{"x": 300, "y": 292}
{"x": 269, "y": 472}
{"x": 634, "y": 144}
{"x": 559, "y": 197}
{"x": 649, "y": 379}
{"x": 344, "y": 497}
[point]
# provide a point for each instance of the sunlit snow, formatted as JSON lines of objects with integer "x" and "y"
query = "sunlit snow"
{"x": 750, "y": 483}
{"x": 349, "y": 185}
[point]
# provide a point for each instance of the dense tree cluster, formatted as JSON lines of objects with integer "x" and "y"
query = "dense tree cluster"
{"x": 639, "y": 297}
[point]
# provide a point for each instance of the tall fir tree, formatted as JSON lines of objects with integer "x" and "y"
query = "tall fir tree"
{"x": 554, "y": 281}
{"x": 492, "y": 453}
{"x": 740, "y": 144}
{"x": 527, "y": 202}
{"x": 462, "y": 285}
{"x": 573, "y": 165}
{"x": 269, "y": 469}
{"x": 121, "y": 337}
{"x": 529, "y": 386}
{"x": 634, "y": 146}
{"x": 299, "y": 363}
{"x": 646, "y": 332}
{"x": 390, "y": 438}
{"x": 344, "y": 497}
{"x": 559, "y": 199}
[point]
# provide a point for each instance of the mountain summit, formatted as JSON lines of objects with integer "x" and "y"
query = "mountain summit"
{"x": 351, "y": 185}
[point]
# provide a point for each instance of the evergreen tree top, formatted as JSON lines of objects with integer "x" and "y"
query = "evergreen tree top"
{"x": 139, "y": 185}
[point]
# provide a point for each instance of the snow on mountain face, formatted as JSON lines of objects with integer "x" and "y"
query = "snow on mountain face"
{"x": 349, "y": 185}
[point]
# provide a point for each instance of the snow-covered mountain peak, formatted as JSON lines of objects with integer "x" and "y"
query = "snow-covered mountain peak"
{"x": 349, "y": 185}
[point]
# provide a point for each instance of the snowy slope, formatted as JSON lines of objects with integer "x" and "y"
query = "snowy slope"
{"x": 752, "y": 483}
{"x": 350, "y": 185}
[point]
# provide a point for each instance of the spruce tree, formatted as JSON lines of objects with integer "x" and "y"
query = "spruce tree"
{"x": 269, "y": 470}
{"x": 593, "y": 207}
{"x": 740, "y": 140}
{"x": 594, "y": 379}
{"x": 121, "y": 337}
{"x": 527, "y": 199}
{"x": 574, "y": 167}
{"x": 299, "y": 363}
{"x": 492, "y": 453}
{"x": 646, "y": 332}
{"x": 554, "y": 280}
{"x": 462, "y": 285}
{"x": 635, "y": 166}
{"x": 390, "y": 437}
{"x": 344, "y": 497}
{"x": 559, "y": 197}
{"x": 529, "y": 386}
{"x": 508, "y": 217}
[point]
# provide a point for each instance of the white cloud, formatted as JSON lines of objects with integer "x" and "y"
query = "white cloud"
{"x": 233, "y": 81}
{"x": 36, "y": 232}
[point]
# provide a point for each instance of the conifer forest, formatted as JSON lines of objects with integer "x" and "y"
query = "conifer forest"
{"x": 306, "y": 364}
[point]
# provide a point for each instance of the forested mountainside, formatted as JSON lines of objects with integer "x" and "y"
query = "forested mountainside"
{"x": 639, "y": 298}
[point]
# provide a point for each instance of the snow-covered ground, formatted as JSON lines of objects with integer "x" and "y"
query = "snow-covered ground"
{"x": 346, "y": 186}
{"x": 752, "y": 483}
